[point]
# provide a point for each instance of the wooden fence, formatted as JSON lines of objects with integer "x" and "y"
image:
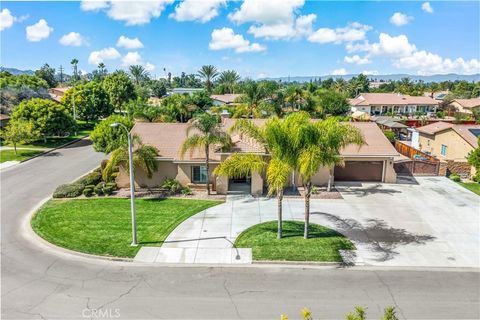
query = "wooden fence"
{"x": 420, "y": 163}
{"x": 411, "y": 152}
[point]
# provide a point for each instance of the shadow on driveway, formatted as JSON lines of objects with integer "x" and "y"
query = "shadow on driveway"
{"x": 365, "y": 191}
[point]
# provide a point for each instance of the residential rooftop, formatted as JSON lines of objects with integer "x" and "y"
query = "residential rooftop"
{"x": 469, "y": 132}
{"x": 398, "y": 99}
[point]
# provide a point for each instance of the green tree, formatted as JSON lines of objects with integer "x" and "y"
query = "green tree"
{"x": 138, "y": 74}
{"x": 252, "y": 98}
{"x": 18, "y": 131}
{"x": 22, "y": 80}
{"x": 106, "y": 138}
{"x": 332, "y": 102}
{"x": 47, "y": 74}
{"x": 208, "y": 73}
{"x": 294, "y": 97}
{"x": 201, "y": 99}
{"x": 474, "y": 160}
{"x": 320, "y": 144}
{"x": 148, "y": 113}
{"x": 91, "y": 101}
{"x": 204, "y": 133}
{"x": 47, "y": 117}
{"x": 74, "y": 64}
{"x": 228, "y": 79}
{"x": 157, "y": 88}
{"x": 144, "y": 157}
{"x": 119, "y": 88}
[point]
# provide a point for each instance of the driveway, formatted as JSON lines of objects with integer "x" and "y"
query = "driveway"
{"x": 434, "y": 223}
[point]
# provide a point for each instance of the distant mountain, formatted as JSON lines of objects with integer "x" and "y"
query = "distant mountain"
{"x": 15, "y": 71}
{"x": 387, "y": 77}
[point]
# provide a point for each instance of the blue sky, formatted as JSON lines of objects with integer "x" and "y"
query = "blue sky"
{"x": 256, "y": 38}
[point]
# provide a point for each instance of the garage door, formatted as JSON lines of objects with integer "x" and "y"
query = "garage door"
{"x": 359, "y": 171}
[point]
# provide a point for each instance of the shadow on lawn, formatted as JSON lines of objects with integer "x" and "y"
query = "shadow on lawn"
{"x": 382, "y": 238}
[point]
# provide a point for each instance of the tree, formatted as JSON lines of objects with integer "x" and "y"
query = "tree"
{"x": 157, "y": 88}
{"x": 252, "y": 97}
{"x": 19, "y": 131}
{"x": 228, "y": 79}
{"x": 201, "y": 99}
{"x": 47, "y": 74}
{"x": 294, "y": 96}
{"x": 148, "y": 113}
{"x": 47, "y": 117}
{"x": 208, "y": 73}
{"x": 144, "y": 157}
{"x": 91, "y": 101}
{"x": 120, "y": 89}
{"x": 332, "y": 102}
{"x": 138, "y": 73}
{"x": 320, "y": 144}
{"x": 101, "y": 72}
{"x": 106, "y": 138}
{"x": 74, "y": 64}
{"x": 207, "y": 133}
{"x": 474, "y": 160}
{"x": 15, "y": 89}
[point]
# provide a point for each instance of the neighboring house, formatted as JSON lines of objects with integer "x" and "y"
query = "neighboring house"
{"x": 448, "y": 141}
{"x": 465, "y": 106}
{"x": 396, "y": 103}
{"x": 371, "y": 162}
{"x": 57, "y": 93}
{"x": 4, "y": 119}
{"x": 225, "y": 99}
{"x": 183, "y": 91}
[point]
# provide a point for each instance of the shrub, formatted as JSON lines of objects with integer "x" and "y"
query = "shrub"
{"x": 91, "y": 178}
{"x": 455, "y": 177}
{"x": 172, "y": 185}
{"x": 87, "y": 192}
{"x": 390, "y": 135}
{"x": 107, "y": 190}
{"x": 112, "y": 185}
{"x": 98, "y": 189}
{"x": 70, "y": 190}
{"x": 187, "y": 191}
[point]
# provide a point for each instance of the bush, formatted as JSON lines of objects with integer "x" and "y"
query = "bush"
{"x": 455, "y": 177}
{"x": 112, "y": 185}
{"x": 390, "y": 135}
{"x": 107, "y": 190}
{"x": 172, "y": 185}
{"x": 92, "y": 178}
{"x": 187, "y": 191}
{"x": 98, "y": 189}
{"x": 87, "y": 192}
{"x": 70, "y": 190}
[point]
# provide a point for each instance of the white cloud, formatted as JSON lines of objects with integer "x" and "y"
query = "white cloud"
{"x": 134, "y": 58}
{"x": 38, "y": 31}
{"x": 400, "y": 19}
{"x": 427, "y": 7}
{"x": 73, "y": 39}
{"x": 370, "y": 72}
{"x": 105, "y": 54}
{"x": 429, "y": 63}
{"x": 301, "y": 27}
{"x": 195, "y": 10}
{"x": 266, "y": 11}
{"x": 388, "y": 46}
{"x": 352, "y": 32}
{"x": 129, "y": 43}
{"x": 6, "y": 19}
{"x": 225, "y": 38}
{"x": 131, "y": 12}
{"x": 356, "y": 59}
{"x": 339, "y": 72}
{"x": 149, "y": 67}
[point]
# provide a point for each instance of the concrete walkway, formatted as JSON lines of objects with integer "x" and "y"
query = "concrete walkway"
{"x": 434, "y": 223}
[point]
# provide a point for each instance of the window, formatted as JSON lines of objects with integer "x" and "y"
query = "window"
{"x": 444, "y": 150}
{"x": 199, "y": 174}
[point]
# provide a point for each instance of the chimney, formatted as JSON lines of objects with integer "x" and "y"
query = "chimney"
{"x": 225, "y": 114}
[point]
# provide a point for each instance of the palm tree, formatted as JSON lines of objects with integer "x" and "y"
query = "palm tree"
{"x": 138, "y": 73}
{"x": 275, "y": 137}
{"x": 74, "y": 64}
{"x": 144, "y": 157}
{"x": 253, "y": 95}
{"x": 208, "y": 73}
{"x": 229, "y": 79}
{"x": 340, "y": 85}
{"x": 102, "y": 69}
{"x": 320, "y": 144}
{"x": 293, "y": 96}
{"x": 203, "y": 133}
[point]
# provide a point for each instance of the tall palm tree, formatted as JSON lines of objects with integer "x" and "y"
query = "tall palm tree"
{"x": 208, "y": 73}
{"x": 253, "y": 95}
{"x": 293, "y": 96}
{"x": 144, "y": 157}
{"x": 340, "y": 85}
{"x": 204, "y": 133}
{"x": 74, "y": 64}
{"x": 320, "y": 144}
{"x": 229, "y": 79}
{"x": 102, "y": 69}
{"x": 275, "y": 137}
{"x": 138, "y": 73}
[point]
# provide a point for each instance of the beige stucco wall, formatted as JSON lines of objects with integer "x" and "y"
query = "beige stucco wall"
{"x": 457, "y": 147}
{"x": 184, "y": 175}
{"x": 458, "y": 107}
{"x": 166, "y": 170}
{"x": 319, "y": 179}
{"x": 257, "y": 184}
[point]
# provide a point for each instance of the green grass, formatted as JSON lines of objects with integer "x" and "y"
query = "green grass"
{"x": 323, "y": 243}
{"x": 472, "y": 186}
{"x": 9, "y": 155}
{"x": 103, "y": 226}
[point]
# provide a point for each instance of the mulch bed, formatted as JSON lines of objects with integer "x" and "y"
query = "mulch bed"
{"x": 158, "y": 193}
{"x": 321, "y": 193}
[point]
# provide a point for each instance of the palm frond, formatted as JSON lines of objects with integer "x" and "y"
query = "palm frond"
{"x": 277, "y": 175}
{"x": 249, "y": 129}
{"x": 240, "y": 165}
{"x": 191, "y": 143}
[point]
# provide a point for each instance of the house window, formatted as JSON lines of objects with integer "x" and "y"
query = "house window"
{"x": 443, "y": 151}
{"x": 199, "y": 174}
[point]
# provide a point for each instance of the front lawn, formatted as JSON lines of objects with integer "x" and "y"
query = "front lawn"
{"x": 472, "y": 186}
{"x": 103, "y": 226}
{"x": 9, "y": 155}
{"x": 323, "y": 243}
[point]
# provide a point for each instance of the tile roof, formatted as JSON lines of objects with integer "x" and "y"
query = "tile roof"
{"x": 366, "y": 99}
{"x": 469, "y": 132}
{"x": 226, "y": 98}
{"x": 468, "y": 103}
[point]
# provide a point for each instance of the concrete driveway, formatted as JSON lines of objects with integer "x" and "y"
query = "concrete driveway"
{"x": 434, "y": 223}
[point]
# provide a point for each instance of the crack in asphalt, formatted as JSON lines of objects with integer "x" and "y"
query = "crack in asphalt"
{"x": 122, "y": 295}
{"x": 397, "y": 307}
{"x": 231, "y": 299}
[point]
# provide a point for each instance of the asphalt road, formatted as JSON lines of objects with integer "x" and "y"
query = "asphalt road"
{"x": 40, "y": 284}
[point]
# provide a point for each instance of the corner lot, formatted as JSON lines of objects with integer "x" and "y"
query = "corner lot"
{"x": 434, "y": 223}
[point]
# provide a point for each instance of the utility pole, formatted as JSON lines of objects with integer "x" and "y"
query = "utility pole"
{"x": 61, "y": 74}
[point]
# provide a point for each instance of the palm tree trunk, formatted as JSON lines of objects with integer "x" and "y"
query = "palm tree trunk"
{"x": 329, "y": 185}
{"x": 308, "y": 188}
{"x": 280, "y": 212}
{"x": 207, "y": 161}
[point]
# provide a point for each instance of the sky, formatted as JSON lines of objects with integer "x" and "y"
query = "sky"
{"x": 257, "y": 38}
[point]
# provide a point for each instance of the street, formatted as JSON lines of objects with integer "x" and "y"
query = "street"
{"x": 38, "y": 284}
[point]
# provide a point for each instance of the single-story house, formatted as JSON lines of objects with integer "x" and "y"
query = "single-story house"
{"x": 370, "y": 162}
{"x": 4, "y": 119}
{"x": 465, "y": 106}
{"x": 381, "y": 103}
{"x": 184, "y": 91}
{"x": 224, "y": 99}
{"x": 57, "y": 93}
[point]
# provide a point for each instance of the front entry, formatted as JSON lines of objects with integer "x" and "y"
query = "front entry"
{"x": 241, "y": 185}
